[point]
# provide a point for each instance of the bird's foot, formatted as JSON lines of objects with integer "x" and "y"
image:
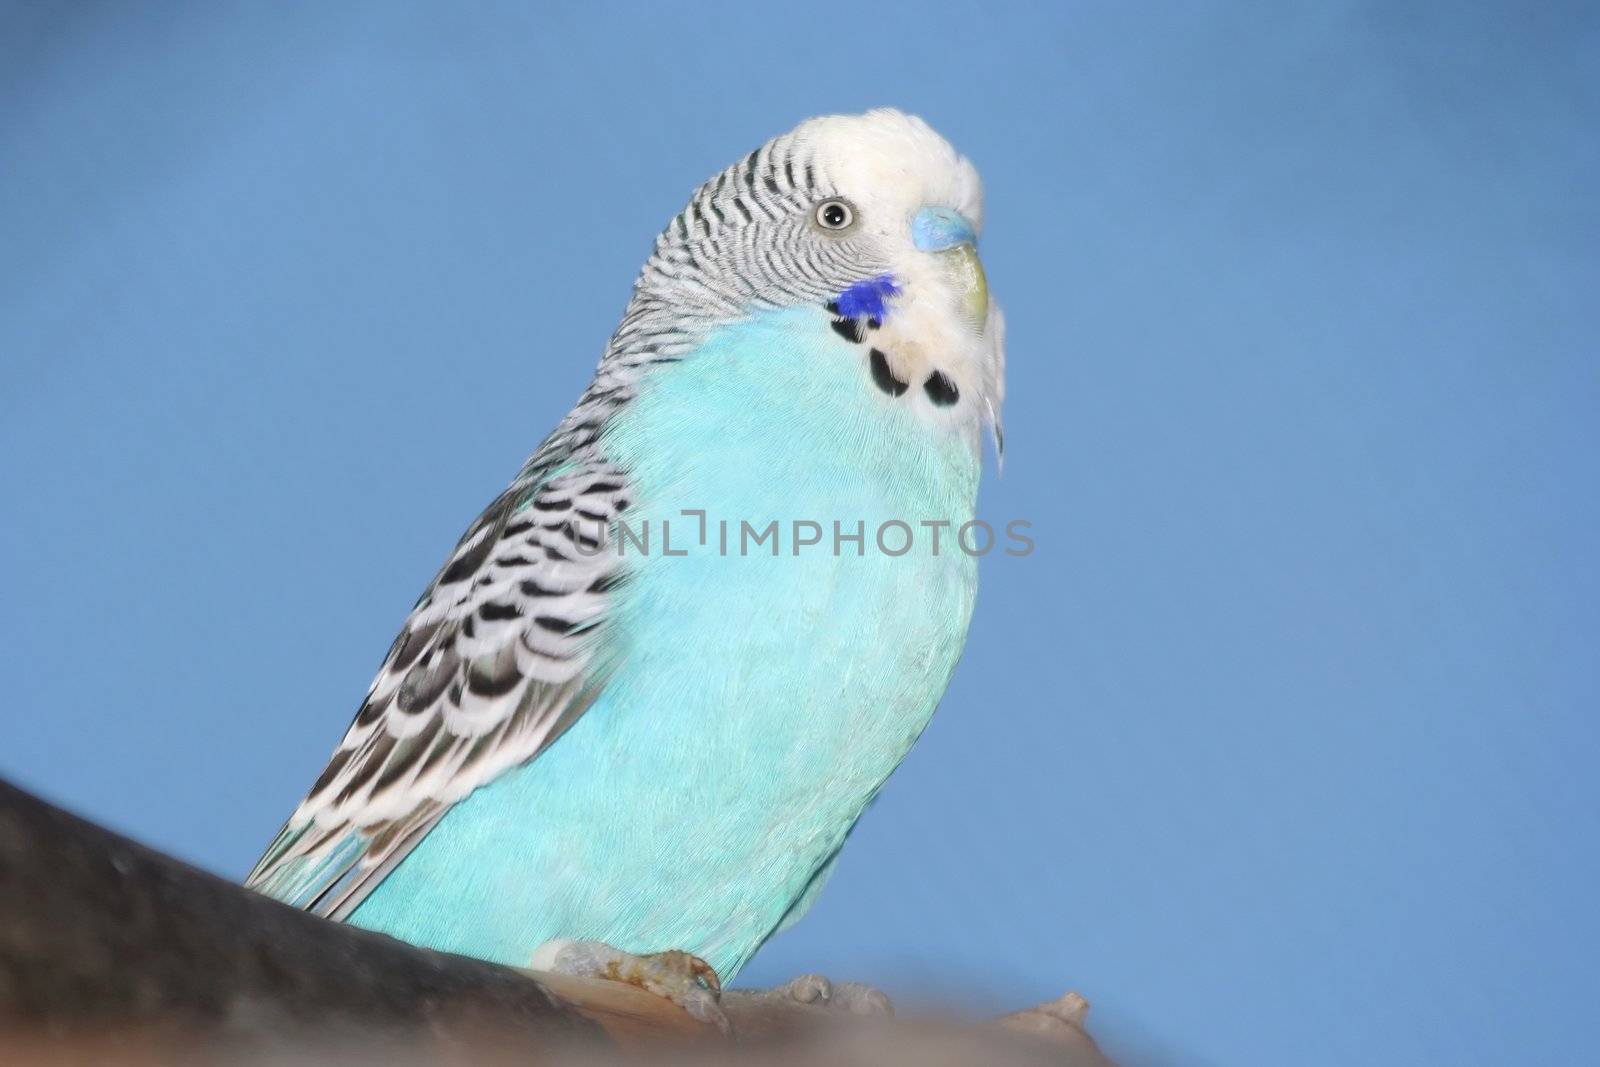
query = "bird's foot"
{"x": 688, "y": 981}
{"x": 853, "y": 998}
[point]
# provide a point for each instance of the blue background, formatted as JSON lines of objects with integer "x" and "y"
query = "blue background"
{"x": 1281, "y": 747}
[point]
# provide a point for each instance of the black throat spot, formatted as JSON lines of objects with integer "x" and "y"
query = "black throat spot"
{"x": 850, "y": 330}
{"x": 884, "y": 378}
{"x": 941, "y": 389}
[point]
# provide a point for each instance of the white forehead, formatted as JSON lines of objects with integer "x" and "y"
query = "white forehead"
{"x": 888, "y": 158}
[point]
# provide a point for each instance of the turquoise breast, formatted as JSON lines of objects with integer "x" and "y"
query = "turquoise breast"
{"x": 757, "y": 701}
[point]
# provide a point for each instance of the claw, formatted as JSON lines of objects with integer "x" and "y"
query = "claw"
{"x": 698, "y": 969}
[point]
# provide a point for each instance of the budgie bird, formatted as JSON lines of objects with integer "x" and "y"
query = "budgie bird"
{"x": 631, "y": 718}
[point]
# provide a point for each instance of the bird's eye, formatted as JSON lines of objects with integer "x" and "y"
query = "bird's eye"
{"x": 834, "y": 215}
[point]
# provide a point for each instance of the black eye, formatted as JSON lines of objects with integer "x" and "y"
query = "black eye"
{"x": 834, "y": 215}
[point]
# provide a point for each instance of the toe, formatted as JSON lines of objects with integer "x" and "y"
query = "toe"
{"x": 807, "y": 989}
{"x": 702, "y": 1004}
{"x": 686, "y": 980}
{"x": 853, "y": 997}
{"x": 693, "y": 966}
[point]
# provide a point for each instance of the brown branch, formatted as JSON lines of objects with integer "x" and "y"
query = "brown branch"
{"x": 109, "y": 950}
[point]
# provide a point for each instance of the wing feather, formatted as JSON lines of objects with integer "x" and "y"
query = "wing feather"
{"x": 505, "y": 649}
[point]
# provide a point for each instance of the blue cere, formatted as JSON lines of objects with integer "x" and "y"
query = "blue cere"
{"x": 938, "y": 228}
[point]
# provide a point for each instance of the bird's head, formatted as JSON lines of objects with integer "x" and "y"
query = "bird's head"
{"x": 874, "y": 218}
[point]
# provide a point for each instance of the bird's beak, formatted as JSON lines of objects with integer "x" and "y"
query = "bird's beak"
{"x": 951, "y": 237}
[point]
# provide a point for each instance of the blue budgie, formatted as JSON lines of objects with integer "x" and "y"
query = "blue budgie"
{"x": 638, "y": 711}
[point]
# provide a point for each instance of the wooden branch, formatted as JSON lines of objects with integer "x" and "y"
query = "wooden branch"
{"x": 112, "y": 951}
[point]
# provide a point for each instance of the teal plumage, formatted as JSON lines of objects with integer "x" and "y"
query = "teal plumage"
{"x": 659, "y": 750}
{"x": 759, "y": 702}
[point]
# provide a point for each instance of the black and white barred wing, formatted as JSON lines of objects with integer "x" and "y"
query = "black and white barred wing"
{"x": 504, "y": 650}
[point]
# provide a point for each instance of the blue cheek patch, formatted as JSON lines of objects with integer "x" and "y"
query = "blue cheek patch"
{"x": 868, "y": 299}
